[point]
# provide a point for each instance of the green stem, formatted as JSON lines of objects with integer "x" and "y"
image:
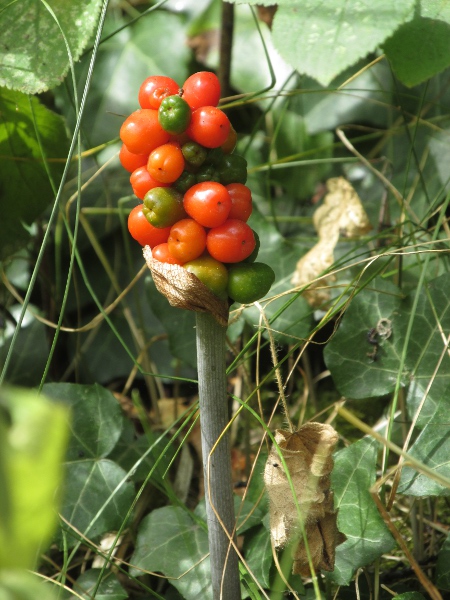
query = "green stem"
{"x": 214, "y": 419}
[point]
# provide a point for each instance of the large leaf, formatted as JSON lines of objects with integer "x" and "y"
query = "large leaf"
{"x": 29, "y": 133}
{"x": 97, "y": 419}
{"x": 34, "y": 56}
{"x": 367, "y": 536}
{"x": 414, "y": 62}
{"x": 33, "y": 436}
{"x": 97, "y": 496}
{"x": 97, "y": 493}
{"x": 356, "y": 374}
{"x": 321, "y": 39}
{"x": 174, "y": 543}
{"x": 171, "y": 542}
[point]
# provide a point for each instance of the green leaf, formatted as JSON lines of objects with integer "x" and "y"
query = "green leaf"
{"x": 171, "y": 542}
{"x": 419, "y": 49}
{"x": 18, "y": 584}
{"x": 354, "y": 373}
{"x": 34, "y": 56}
{"x": 26, "y": 190}
{"x": 258, "y": 555}
{"x": 97, "y": 496}
{"x": 322, "y": 39}
{"x": 97, "y": 418}
{"x": 443, "y": 566}
{"x": 435, "y": 9}
{"x": 248, "y": 515}
{"x": 131, "y": 447}
{"x": 367, "y": 536}
{"x": 109, "y": 588}
{"x": 432, "y": 448}
{"x": 410, "y": 596}
{"x": 33, "y": 437}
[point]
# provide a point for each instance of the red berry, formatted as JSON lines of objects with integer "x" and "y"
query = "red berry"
{"x": 201, "y": 89}
{"x": 142, "y": 133}
{"x": 209, "y": 127}
{"x": 154, "y": 89}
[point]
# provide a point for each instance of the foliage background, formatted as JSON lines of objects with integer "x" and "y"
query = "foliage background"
{"x": 331, "y": 89}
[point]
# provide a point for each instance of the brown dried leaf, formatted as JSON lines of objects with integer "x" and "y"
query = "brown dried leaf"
{"x": 308, "y": 457}
{"x": 184, "y": 290}
{"x": 341, "y": 214}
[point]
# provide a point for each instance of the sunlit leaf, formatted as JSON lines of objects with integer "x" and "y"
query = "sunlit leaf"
{"x": 33, "y": 437}
{"x": 34, "y": 56}
{"x": 414, "y": 63}
{"x": 322, "y": 39}
{"x": 18, "y": 584}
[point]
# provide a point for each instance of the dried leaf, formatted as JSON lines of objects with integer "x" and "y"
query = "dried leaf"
{"x": 184, "y": 290}
{"x": 341, "y": 214}
{"x": 308, "y": 457}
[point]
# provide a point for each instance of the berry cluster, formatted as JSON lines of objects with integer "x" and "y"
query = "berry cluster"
{"x": 178, "y": 148}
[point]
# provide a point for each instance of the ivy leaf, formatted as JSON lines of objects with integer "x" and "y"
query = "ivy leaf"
{"x": 96, "y": 422}
{"x": 367, "y": 536}
{"x": 33, "y": 54}
{"x": 90, "y": 479}
{"x": 87, "y": 505}
{"x": 258, "y": 555}
{"x": 355, "y": 374}
{"x": 414, "y": 62}
{"x": 171, "y": 542}
{"x": 25, "y": 186}
{"x": 432, "y": 447}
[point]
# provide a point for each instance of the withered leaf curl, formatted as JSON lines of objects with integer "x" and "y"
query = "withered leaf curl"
{"x": 184, "y": 290}
{"x": 308, "y": 457}
{"x": 341, "y": 214}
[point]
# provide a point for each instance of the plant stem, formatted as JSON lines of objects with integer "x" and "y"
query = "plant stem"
{"x": 216, "y": 456}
